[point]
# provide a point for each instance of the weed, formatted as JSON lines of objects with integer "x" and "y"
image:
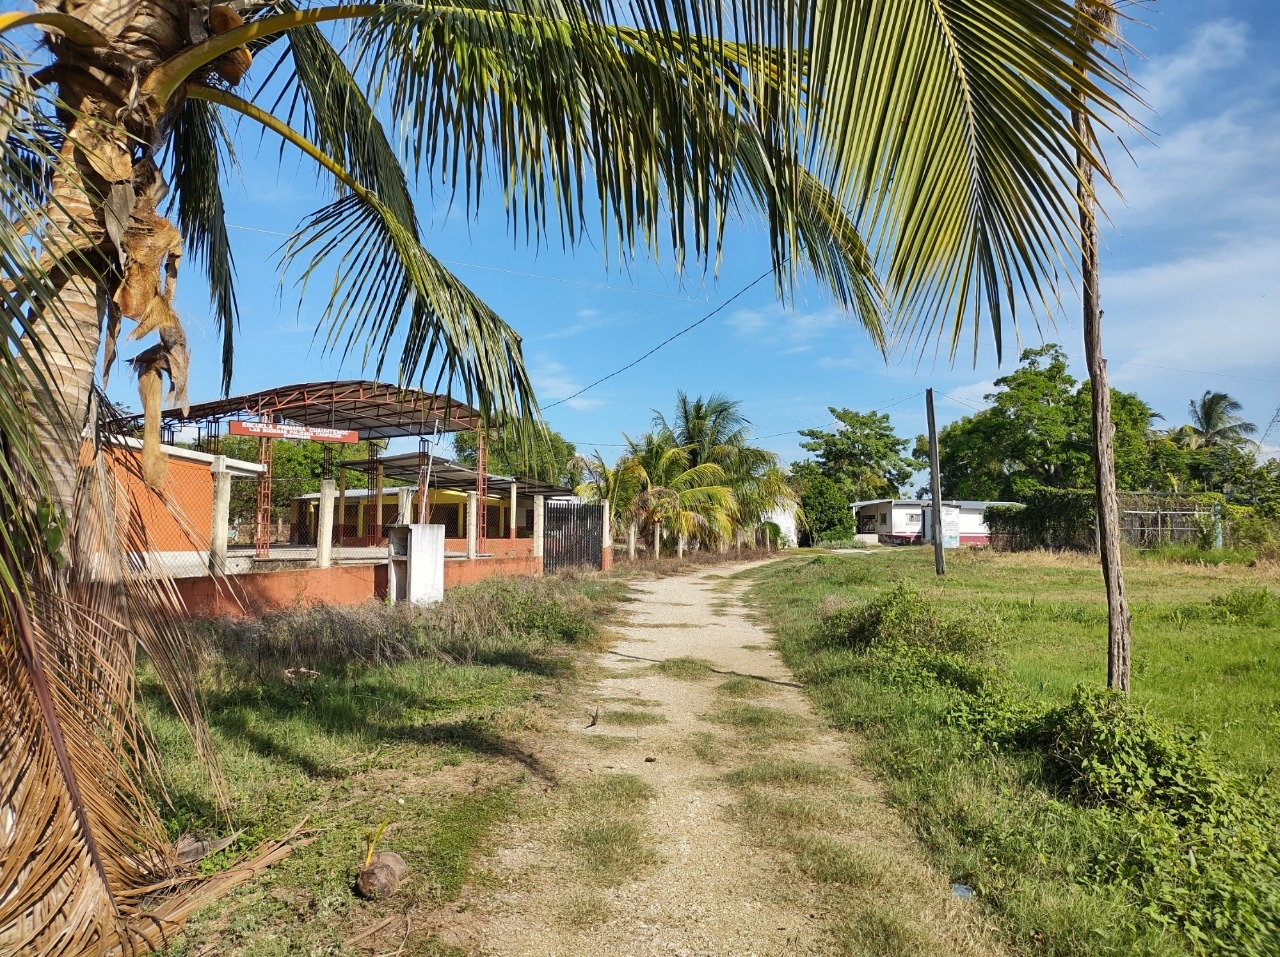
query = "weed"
{"x": 631, "y": 718}
{"x": 686, "y": 669}
{"x": 742, "y": 686}
{"x": 784, "y": 774}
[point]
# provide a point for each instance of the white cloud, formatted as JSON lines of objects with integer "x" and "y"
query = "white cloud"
{"x": 1219, "y": 45}
{"x": 552, "y": 383}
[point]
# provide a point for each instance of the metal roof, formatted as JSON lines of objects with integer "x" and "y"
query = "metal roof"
{"x": 448, "y": 474}
{"x": 376, "y": 410}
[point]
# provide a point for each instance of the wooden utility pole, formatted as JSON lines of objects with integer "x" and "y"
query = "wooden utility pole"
{"x": 935, "y": 488}
{"x": 1119, "y": 624}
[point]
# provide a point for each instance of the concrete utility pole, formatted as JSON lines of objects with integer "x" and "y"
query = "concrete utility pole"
{"x": 324, "y": 525}
{"x": 935, "y": 488}
{"x": 221, "y": 517}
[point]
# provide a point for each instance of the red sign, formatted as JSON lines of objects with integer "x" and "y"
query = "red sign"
{"x": 281, "y": 430}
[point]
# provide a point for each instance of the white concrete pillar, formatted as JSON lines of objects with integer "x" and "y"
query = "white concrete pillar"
{"x": 608, "y": 525}
{"x": 324, "y": 524}
{"x": 220, "y": 519}
{"x": 511, "y": 513}
{"x": 404, "y": 506}
{"x": 538, "y": 507}
{"x": 632, "y": 533}
{"x": 680, "y": 545}
{"x": 473, "y": 526}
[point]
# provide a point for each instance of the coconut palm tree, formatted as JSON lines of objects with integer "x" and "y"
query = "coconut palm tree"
{"x": 677, "y": 497}
{"x": 915, "y": 157}
{"x": 620, "y": 486}
{"x": 715, "y": 430}
{"x": 1216, "y": 420}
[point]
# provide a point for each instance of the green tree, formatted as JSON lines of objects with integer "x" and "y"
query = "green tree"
{"x": 657, "y": 118}
{"x": 546, "y": 455}
{"x": 714, "y": 430}
{"x": 864, "y": 456}
{"x": 826, "y": 508}
{"x": 1037, "y": 434}
{"x": 677, "y": 497}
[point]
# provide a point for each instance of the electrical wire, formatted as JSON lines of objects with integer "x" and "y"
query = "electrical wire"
{"x": 667, "y": 341}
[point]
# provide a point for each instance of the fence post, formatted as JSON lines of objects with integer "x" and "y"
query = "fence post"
{"x": 511, "y": 513}
{"x": 473, "y": 517}
{"x": 539, "y": 504}
{"x": 404, "y": 506}
{"x": 221, "y": 517}
{"x": 324, "y": 525}
{"x": 606, "y": 538}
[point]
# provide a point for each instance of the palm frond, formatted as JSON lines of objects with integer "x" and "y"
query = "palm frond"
{"x": 947, "y": 123}
{"x": 199, "y": 141}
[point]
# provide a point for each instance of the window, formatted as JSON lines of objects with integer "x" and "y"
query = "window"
{"x": 884, "y": 518}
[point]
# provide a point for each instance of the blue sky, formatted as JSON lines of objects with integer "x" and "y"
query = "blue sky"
{"x": 1190, "y": 287}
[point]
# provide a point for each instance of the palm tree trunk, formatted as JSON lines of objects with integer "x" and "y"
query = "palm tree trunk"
{"x": 657, "y": 541}
{"x": 1119, "y": 625}
{"x": 680, "y": 546}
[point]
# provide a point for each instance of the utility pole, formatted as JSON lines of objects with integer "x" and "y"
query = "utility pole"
{"x": 935, "y": 488}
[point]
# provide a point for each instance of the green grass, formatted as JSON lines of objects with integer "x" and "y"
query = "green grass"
{"x": 630, "y": 718}
{"x": 414, "y": 720}
{"x": 742, "y": 686}
{"x": 1194, "y": 663}
{"x": 761, "y": 725}
{"x": 685, "y": 668}
{"x": 1204, "y": 659}
{"x": 606, "y": 836}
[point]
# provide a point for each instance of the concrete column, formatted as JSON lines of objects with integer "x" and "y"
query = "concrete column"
{"x": 632, "y": 533}
{"x": 473, "y": 526}
{"x": 606, "y": 539}
{"x": 324, "y": 525}
{"x": 538, "y": 506}
{"x": 404, "y": 506}
{"x": 220, "y": 520}
{"x": 511, "y": 514}
{"x": 680, "y": 545}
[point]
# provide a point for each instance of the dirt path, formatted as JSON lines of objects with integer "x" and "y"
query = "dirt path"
{"x": 706, "y": 812}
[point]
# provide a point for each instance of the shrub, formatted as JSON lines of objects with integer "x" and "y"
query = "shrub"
{"x": 903, "y": 618}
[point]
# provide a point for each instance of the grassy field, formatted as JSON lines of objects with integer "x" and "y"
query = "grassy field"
{"x": 1205, "y": 651}
{"x": 970, "y": 741}
{"x": 348, "y": 718}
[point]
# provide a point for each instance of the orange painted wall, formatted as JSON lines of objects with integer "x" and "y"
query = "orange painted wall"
{"x": 260, "y": 592}
{"x": 188, "y": 488}
{"x": 497, "y": 547}
{"x": 462, "y": 572}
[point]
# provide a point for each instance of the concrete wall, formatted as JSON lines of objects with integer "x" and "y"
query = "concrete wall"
{"x": 262, "y": 592}
{"x": 459, "y": 571}
{"x": 497, "y": 547}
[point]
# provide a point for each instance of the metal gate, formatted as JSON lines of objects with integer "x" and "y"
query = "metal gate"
{"x": 573, "y": 536}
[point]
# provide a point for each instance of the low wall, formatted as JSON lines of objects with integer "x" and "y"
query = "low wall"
{"x": 497, "y": 547}
{"x": 260, "y": 592}
{"x": 460, "y": 571}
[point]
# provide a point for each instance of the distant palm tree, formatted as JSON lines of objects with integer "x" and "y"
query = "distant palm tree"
{"x": 678, "y": 497}
{"x": 1216, "y": 420}
{"x": 715, "y": 430}
{"x": 620, "y": 486}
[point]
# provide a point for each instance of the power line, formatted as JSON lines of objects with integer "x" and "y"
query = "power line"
{"x": 671, "y": 338}
{"x": 1225, "y": 375}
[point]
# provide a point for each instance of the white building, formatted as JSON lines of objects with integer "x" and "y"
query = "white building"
{"x": 973, "y": 529}
{"x": 892, "y": 521}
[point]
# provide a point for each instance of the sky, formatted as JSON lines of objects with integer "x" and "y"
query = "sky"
{"x": 1190, "y": 278}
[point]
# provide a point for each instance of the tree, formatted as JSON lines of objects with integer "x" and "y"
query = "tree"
{"x": 1216, "y": 420}
{"x": 662, "y": 117}
{"x": 676, "y": 496}
{"x": 826, "y": 507}
{"x": 715, "y": 431}
{"x": 1037, "y": 434}
{"x": 546, "y": 456}
{"x": 863, "y": 456}
{"x": 620, "y": 486}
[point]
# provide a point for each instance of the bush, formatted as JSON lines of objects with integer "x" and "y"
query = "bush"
{"x": 902, "y": 618}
